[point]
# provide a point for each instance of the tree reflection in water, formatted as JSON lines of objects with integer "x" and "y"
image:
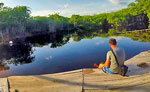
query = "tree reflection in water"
{"x": 3, "y": 66}
{"x": 19, "y": 53}
{"x": 56, "y": 40}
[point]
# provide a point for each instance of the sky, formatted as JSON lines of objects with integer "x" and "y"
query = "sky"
{"x": 69, "y": 7}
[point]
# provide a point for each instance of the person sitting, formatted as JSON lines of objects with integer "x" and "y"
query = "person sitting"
{"x": 115, "y": 59}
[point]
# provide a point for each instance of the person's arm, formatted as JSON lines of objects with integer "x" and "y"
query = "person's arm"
{"x": 107, "y": 63}
{"x": 108, "y": 59}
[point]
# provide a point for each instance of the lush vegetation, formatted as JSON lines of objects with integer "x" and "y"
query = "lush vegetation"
{"x": 136, "y": 16}
{"x": 17, "y": 20}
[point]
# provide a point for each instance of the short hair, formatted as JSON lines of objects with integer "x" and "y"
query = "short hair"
{"x": 113, "y": 41}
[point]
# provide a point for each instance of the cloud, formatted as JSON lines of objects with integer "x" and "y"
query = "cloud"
{"x": 69, "y": 9}
{"x": 49, "y": 57}
{"x": 119, "y": 2}
{"x": 70, "y": 40}
{"x": 118, "y": 38}
{"x": 100, "y": 42}
{"x": 65, "y": 11}
{"x": 90, "y": 8}
{"x": 66, "y": 5}
{"x": 43, "y": 12}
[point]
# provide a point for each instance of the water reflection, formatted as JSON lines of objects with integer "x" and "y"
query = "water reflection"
{"x": 56, "y": 40}
{"x": 4, "y": 66}
{"x": 51, "y": 53}
{"x": 19, "y": 53}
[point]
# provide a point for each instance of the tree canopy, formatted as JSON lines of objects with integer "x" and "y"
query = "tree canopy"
{"x": 18, "y": 18}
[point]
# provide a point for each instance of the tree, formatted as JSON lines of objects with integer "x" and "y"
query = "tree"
{"x": 75, "y": 19}
{"x": 131, "y": 4}
{"x": 139, "y": 1}
{"x": 1, "y": 6}
{"x": 61, "y": 22}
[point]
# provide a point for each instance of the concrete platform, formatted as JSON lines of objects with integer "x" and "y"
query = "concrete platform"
{"x": 62, "y": 82}
{"x": 3, "y": 85}
{"x": 86, "y": 80}
{"x": 97, "y": 81}
{"x": 140, "y": 58}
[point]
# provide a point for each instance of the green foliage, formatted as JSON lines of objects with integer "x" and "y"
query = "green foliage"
{"x": 20, "y": 16}
{"x": 138, "y": 36}
{"x": 112, "y": 31}
{"x": 1, "y": 6}
{"x": 75, "y": 19}
{"x": 117, "y": 19}
{"x": 139, "y": 1}
{"x": 131, "y": 4}
{"x": 149, "y": 18}
{"x": 13, "y": 17}
{"x": 60, "y": 21}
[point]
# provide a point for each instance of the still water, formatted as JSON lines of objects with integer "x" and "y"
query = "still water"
{"x": 53, "y": 54}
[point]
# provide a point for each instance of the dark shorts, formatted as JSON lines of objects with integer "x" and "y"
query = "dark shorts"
{"x": 106, "y": 70}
